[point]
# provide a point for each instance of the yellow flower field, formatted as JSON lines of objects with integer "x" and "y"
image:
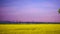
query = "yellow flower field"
{"x": 29, "y": 28}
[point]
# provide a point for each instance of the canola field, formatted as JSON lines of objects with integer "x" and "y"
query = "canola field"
{"x": 29, "y": 28}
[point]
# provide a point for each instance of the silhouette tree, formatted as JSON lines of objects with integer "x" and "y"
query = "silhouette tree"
{"x": 59, "y": 10}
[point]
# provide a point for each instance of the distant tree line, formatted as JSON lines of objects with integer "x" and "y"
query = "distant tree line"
{"x": 9, "y": 22}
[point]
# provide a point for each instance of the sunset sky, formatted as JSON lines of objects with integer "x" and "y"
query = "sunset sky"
{"x": 30, "y": 10}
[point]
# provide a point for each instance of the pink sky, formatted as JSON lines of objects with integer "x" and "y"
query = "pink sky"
{"x": 31, "y": 11}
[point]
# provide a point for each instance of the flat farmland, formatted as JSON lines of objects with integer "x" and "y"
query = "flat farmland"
{"x": 29, "y": 28}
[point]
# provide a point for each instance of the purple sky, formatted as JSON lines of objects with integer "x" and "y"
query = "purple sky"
{"x": 30, "y": 10}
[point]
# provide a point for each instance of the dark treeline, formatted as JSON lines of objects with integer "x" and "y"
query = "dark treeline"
{"x": 10, "y": 22}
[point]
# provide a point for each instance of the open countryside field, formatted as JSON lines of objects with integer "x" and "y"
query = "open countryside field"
{"x": 29, "y": 28}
